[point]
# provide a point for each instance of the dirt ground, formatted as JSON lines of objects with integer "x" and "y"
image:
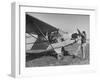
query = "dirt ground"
{"x": 46, "y": 59}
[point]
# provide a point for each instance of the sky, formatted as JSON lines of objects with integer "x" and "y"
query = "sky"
{"x": 65, "y": 22}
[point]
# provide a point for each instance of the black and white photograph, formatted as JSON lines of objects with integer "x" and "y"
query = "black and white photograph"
{"x": 54, "y": 39}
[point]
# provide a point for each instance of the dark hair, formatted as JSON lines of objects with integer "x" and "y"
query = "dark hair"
{"x": 84, "y": 32}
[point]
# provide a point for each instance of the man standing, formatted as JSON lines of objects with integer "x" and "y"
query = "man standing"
{"x": 83, "y": 42}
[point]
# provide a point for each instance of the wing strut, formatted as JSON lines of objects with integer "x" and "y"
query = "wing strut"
{"x": 43, "y": 35}
{"x": 33, "y": 36}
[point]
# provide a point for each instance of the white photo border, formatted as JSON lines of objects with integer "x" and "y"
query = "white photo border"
{"x": 21, "y": 70}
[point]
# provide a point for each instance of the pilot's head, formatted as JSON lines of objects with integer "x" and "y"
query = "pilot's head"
{"x": 84, "y": 32}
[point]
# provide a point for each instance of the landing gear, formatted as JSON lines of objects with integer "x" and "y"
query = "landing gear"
{"x": 60, "y": 57}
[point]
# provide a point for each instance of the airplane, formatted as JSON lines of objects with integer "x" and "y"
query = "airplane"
{"x": 43, "y": 37}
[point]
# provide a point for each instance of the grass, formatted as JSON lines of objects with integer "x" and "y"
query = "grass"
{"x": 48, "y": 59}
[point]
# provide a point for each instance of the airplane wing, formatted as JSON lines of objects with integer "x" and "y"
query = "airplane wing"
{"x": 37, "y": 26}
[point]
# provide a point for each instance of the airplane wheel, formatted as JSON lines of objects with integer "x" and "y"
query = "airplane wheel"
{"x": 60, "y": 57}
